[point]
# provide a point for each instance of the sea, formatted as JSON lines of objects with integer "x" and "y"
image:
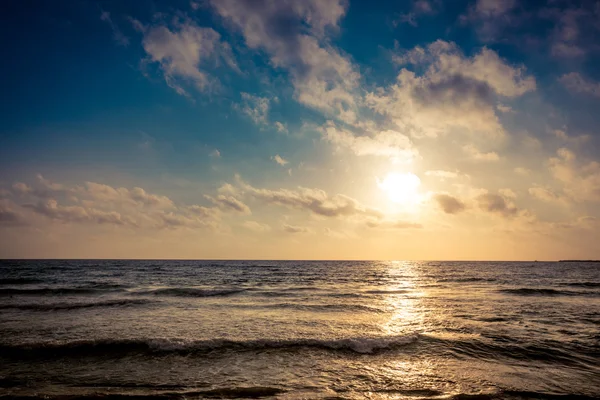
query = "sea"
{"x": 115, "y": 329}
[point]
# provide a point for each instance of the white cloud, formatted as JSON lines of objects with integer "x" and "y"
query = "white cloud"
{"x": 182, "y": 52}
{"x": 296, "y": 229}
{"x": 580, "y": 180}
{"x": 504, "y": 108}
{"x": 257, "y": 108}
{"x": 256, "y": 226}
{"x": 445, "y": 60}
{"x": 478, "y": 155}
{"x": 322, "y": 78}
{"x": 279, "y": 160}
{"x": 508, "y": 193}
{"x": 215, "y": 153}
{"x": 391, "y": 144}
{"x": 546, "y": 194}
{"x": 442, "y": 174}
{"x": 522, "y": 171}
{"x": 229, "y": 203}
{"x": 280, "y": 127}
{"x": 393, "y": 224}
{"x": 455, "y": 93}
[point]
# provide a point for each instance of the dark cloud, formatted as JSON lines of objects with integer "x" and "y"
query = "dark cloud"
{"x": 10, "y": 217}
{"x": 455, "y": 89}
{"x": 77, "y": 214}
{"x": 494, "y": 203}
{"x": 449, "y": 204}
{"x": 313, "y": 200}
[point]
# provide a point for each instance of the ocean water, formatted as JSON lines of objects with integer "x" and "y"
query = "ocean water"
{"x": 299, "y": 330}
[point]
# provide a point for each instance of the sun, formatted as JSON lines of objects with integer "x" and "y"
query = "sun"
{"x": 401, "y": 188}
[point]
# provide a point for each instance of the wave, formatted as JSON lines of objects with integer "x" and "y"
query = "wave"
{"x": 546, "y": 292}
{"x": 504, "y": 347}
{"x": 473, "y": 279}
{"x": 312, "y": 307}
{"x": 19, "y": 281}
{"x": 256, "y": 392}
{"x": 252, "y": 392}
{"x": 47, "y": 291}
{"x": 190, "y": 292}
{"x": 122, "y": 347}
{"x": 583, "y": 284}
{"x": 391, "y": 291}
{"x": 74, "y": 306}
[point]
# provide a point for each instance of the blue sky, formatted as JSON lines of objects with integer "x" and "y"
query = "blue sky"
{"x": 359, "y": 129}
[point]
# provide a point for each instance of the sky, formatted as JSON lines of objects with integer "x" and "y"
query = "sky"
{"x": 315, "y": 129}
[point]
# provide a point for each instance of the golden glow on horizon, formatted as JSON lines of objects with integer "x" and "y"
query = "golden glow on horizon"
{"x": 401, "y": 188}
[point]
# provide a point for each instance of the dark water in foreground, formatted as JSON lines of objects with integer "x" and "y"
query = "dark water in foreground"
{"x": 299, "y": 330}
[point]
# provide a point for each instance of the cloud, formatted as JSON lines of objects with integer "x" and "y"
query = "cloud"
{"x": 279, "y": 160}
{"x": 293, "y": 35}
{"x": 490, "y": 17}
{"x": 295, "y": 229}
{"x": 391, "y": 144}
{"x": 576, "y": 83}
{"x": 118, "y": 36}
{"x": 564, "y": 136}
{"x": 229, "y": 203}
{"x": 135, "y": 197}
{"x": 546, "y": 194}
{"x": 256, "y": 226}
{"x": 418, "y": 9}
{"x": 566, "y": 36}
{"x": 257, "y": 108}
{"x": 392, "y": 224}
{"x": 445, "y": 59}
{"x": 315, "y": 201}
{"x": 522, "y": 171}
{"x": 280, "y": 127}
{"x": 9, "y": 216}
{"x": 215, "y": 153}
{"x": 455, "y": 93}
{"x": 580, "y": 179}
{"x": 100, "y": 204}
{"x": 478, "y": 155}
{"x": 183, "y": 51}
{"x": 77, "y": 214}
{"x": 203, "y": 212}
{"x": 442, "y": 174}
{"x": 508, "y": 193}
{"x": 171, "y": 220}
{"x": 449, "y": 204}
{"x": 497, "y": 204}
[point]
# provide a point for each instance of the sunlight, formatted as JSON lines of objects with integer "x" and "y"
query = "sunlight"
{"x": 401, "y": 187}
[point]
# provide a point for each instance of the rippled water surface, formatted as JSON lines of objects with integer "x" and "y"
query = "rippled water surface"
{"x": 299, "y": 330}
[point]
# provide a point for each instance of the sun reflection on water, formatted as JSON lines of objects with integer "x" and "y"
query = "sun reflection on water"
{"x": 404, "y": 299}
